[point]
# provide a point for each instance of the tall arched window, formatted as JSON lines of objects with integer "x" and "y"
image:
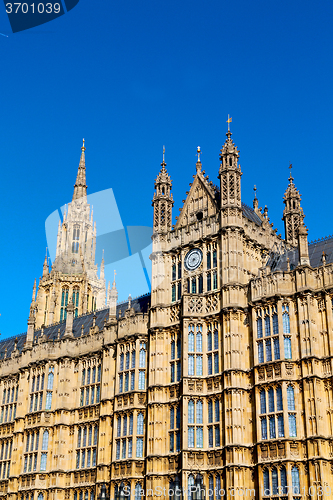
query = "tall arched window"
{"x": 279, "y": 402}
{"x": 138, "y": 492}
{"x": 45, "y": 442}
{"x": 64, "y": 303}
{"x": 274, "y": 481}
{"x": 76, "y": 294}
{"x": 267, "y": 326}
{"x": 266, "y": 482}
{"x": 285, "y": 319}
{"x": 263, "y": 401}
{"x": 291, "y": 398}
{"x": 139, "y": 429}
{"x": 283, "y": 480}
{"x": 259, "y": 328}
{"x": 275, "y": 324}
{"x": 270, "y": 400}
{"x": 191, "y": 412}
{"x": 199, "y": 415}
{"x": 40, "y": 496}
{"x": 190, "y": 486}
{"x": 295, "y": 481}
{"x": 49, "y": 391}
{"x": 218, "y": 487}
{"x": 210, "y": 487}
{"x": 217, "y": 410}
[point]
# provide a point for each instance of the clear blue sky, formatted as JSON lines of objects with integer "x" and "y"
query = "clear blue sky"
{"x": 131, "y": 76}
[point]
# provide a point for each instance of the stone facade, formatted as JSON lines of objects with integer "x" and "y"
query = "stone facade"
{"x": 220, "y": 380}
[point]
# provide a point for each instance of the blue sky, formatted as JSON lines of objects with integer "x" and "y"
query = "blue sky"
{"x": 132, "y": 76}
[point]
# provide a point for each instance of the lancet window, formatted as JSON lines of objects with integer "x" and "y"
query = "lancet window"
{"x": 195, "y": 424}
{"x": 175, "y": 363}
{"x": 176, "y": 279}
{"x": 139, "y": 433}
{"x": 90, "y": 383}
{"x": 9, "y": 402}
{"x": 5, "y": 457}
{"x": 175, "y": 424}
{"x": 124, "y": 433}
{"x": 86, "y": 450}
{"x": 64, "y": 303}
{"x": 271, "y": 413}
{"x": 36, "y": 393}
{"x": 84, "y": 494}
{"x": 213, "y": 348}
{"x": 214, "y": 433}
{"x": 275, "y": 481}
{"x": 211, "y": 275}
{"x": 268, "y": 330}
{"x": 195, "y": 350}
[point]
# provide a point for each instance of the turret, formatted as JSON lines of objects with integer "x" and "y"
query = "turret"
{"x": 292, "y": 211}
{"x": 162, "y": 201}
{"x": 230, "y": 183}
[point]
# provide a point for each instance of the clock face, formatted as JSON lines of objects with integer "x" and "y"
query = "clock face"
{"x": 193, "y": 259}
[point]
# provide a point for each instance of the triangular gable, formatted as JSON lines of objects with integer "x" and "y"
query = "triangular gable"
{"x": 201, "y": 198}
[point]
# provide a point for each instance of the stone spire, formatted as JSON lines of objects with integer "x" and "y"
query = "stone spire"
{"x": 45, "y": 266}
{"x": 112, "y": 299}
{"x": 102, "y": 271}
{"x": 31, "y": 329}
{"x": 80, "y": 187}
{"x": 292, "y": 211}
{"x": 163, "y": 200}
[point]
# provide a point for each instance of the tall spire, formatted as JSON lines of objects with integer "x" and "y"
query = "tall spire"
{"x": 45, "y": 266}
{"x": 112, "y": 299}
{"x": 80, "y": 187}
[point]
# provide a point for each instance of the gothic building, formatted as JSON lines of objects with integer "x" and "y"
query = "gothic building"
{"x": 217, "y": 384}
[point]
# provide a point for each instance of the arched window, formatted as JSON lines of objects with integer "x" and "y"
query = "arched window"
{"x": 275, "y": 324}
{"x": 210, "y": 487}
{"x": 285, "y": 319}
{"x": 290, "y": 398}
{"x": 142, "y": 356}
{"x": 190, "y": 486}
{"x": 172, "y": 417}
{"x": 199, "y": 339}
{"x": 266, "y": 482}
{"x": 267, "y": 326}
{"x": 209, "y": 338}
{"x": 259, "y": 328}
{"x": 191, "y": 338}
{"x": 138, "y": 491}
{"x": 274, "y": 481}
{"x": 295, "y": 481}
{"x": 173, "y": 349}
{"x": 45, "y": 442}
{"x": 263, "y": 401}
{"x": 139, "y": 429}
{"x": 218, "y": 487}
{"x": 210, "y": 411}
{"x": 283, "y": 480}
{"x": 64, "y": 303}
{"x": 40, "y": 496}
{"x": 191, "y": 412}
{"x": 279, "y": 402}
{"x": 199, "y": 416}
{"x": 76, "y": 293}
{"x": 217, "y": 410}
{"x": 270, "y": 400}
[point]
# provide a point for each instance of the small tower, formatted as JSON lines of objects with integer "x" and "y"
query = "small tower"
{"x": 230, "y": 183}
{"x": 292, "y": 211}
{"x": 163, "y": 200}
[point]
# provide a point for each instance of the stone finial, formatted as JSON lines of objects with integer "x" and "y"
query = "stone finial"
{"x": 31, "y": 329}
{"x": 198, "y": 164}
{"x": 129, "y": 301}
{"x": 112, "y": 298}
{"x": 303, "y": 249}
{"x": 94, "y": 320}
{"x": 323, "y": 259}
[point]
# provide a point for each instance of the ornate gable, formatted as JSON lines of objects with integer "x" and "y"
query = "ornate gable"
{"x": 200, "y": 202}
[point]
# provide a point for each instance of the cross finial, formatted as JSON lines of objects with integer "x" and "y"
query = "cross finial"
{"x": 163, "y": 154}
{"x": 198, "y": 153}
{"x": 83, "y": 147}
{"x": 229, "y": 120}
{"x": 290, "y": 176}
{"x": 255, "y": 191}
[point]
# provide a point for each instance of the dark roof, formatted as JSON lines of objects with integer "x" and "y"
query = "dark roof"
{"x": 250, "y": 214}
{"x": 316, "y": 249}
{"x": 139, "y": 304}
